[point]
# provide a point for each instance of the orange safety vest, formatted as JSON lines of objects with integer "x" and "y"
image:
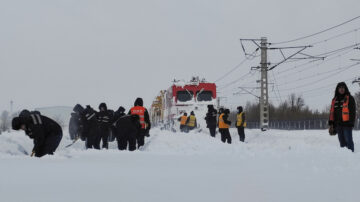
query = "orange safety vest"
{"x": 183, "y": 120}
{"x": 345, "y": 110}
{"x": 222, "y": 124}
{"x": 140, "y": 111}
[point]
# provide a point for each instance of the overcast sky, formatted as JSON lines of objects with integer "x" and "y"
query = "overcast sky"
{"x": 63, "y": 52}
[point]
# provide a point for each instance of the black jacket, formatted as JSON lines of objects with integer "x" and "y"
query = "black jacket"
{"x": 39, "y": 127}
{"x": 89, "y": 121}
{"x": 105, "y": 118}
{"x": 127, "y": 125}
{"x": 210, "y": 118}
{"x": 75, "y": 125}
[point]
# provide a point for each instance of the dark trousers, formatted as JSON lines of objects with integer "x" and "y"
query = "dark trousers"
{"x": 212, "y": 130}
{"x": 124, "y": 141}
{"x": 50, "y": 145}
{"x": 225, "y": 135}
{"x": 345, "y": 137}
{"x": 140, "y": 138}
{"x": 104, "y": 136}
{"x": 182, "y": 128}
{"x": 189, "y": 128}
{"x": 241, "y": 132}
{"x": 93, "y": 141}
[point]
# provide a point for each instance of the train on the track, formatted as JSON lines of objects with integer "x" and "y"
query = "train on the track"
{"x": 183, "y": 97}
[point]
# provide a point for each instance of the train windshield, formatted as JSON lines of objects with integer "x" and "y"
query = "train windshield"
{"x": 184, "y": 96}
{"x": 204, "y": 95}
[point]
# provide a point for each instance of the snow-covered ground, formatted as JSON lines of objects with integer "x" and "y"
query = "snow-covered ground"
{"x": 274, "y": 166}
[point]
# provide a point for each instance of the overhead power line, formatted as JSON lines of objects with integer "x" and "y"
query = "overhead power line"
{"x": 320, "y": 32}
{"x": 322, "y": 78}
{"x": 237, "y": 66}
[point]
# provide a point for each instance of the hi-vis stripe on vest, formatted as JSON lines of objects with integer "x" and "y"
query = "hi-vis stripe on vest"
{"x": 36, "y": 119}
{"x": 191, "y": 121}
{"x": 183, "y": 120}
{"x": 222, "y": 124}
{"x": 345, "y": 110}
{"x": 140, "y": 111}
{"x": 239, "y": 120}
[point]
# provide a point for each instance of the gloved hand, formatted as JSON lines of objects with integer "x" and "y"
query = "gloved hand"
{"x": 332, "y": 130}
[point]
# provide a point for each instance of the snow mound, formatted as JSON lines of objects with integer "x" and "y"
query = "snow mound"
{"x": 276, "y": 165}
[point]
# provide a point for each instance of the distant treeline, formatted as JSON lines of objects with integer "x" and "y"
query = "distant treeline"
{"x": 292, "y": 109}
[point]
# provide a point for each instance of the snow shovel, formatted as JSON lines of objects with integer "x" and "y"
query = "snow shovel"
{"x": 72, "y": 142}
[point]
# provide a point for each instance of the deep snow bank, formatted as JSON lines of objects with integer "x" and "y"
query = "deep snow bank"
{"x": 272, "y": 166}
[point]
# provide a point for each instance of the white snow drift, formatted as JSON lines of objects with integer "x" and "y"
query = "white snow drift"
{"x": 272, "y": 166}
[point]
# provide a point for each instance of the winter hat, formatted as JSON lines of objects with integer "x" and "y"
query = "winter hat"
{"x": 16, "y": 123}
{"x": 121, "y": 109}
{"x": 139, "y": 102}
{"x": 24, "y": 113}
{"x": 192, "y": 113}
{"x": 185, "y": 114}
{"x": 78, "y": 108}
{"x": 103, "y": 105}
{"x": 240, "y": 108}
{"x": 227, "y": 111}
{"x": 210, "y": 106}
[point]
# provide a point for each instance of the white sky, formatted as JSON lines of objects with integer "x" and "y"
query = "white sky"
{"x": 66, "y": 52}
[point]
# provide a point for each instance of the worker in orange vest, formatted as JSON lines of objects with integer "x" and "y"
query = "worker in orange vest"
{"x": 144, "y": 119}
{"x": 224, "y": 125}
{"x": 342, "y": 116}
{"x": 183, "y": 120}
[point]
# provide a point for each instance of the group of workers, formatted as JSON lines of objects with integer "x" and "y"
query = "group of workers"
{"x": 106, "y": 125}
{"x": 216, "y": 120}
{"x": 187, "y": 123}
{"x": 88, "y": 125}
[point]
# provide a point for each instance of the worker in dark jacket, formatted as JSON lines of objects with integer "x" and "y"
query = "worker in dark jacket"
{"x": 104, "y": 117}
{"x": 144, "y": 118}
{"x": 127, "y": 130}
{"x": 45, "y": 132}
{"x": 224, "y": 125}
{"x": 182, "y": 121}
{"x": 191, "y": 122}
{"x": 241, "y": 123}
{"x": 211, "y": 120}
{"x": 342, "y": 115}
{"x": 75, "y": 125}
{"x": 89, "y": 121}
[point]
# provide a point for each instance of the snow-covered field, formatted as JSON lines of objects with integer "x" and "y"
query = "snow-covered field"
{"x": 273, "y": 166}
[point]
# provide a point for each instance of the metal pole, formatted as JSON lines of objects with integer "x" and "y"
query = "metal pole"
{"x": 264, "y": 104}
{"x": 11, "y": 107}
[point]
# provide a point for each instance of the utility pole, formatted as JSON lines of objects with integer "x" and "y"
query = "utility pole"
{"x": 11, "y": 107}
{"x": 264, "y": 96}
{"x": 264, "y": 84}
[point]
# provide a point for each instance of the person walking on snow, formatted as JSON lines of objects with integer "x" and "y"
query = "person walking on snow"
{"x": 342, "y": 116}
{"x": 210, "y": 118}
{"x": 224, "y": 125}
{"x": 241, "y": 123}
{"x": 191, "y": 122}
{"x": 105, "y": 118}
{"x": 143, "y": 114}
{"x": 183, "y": 120}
